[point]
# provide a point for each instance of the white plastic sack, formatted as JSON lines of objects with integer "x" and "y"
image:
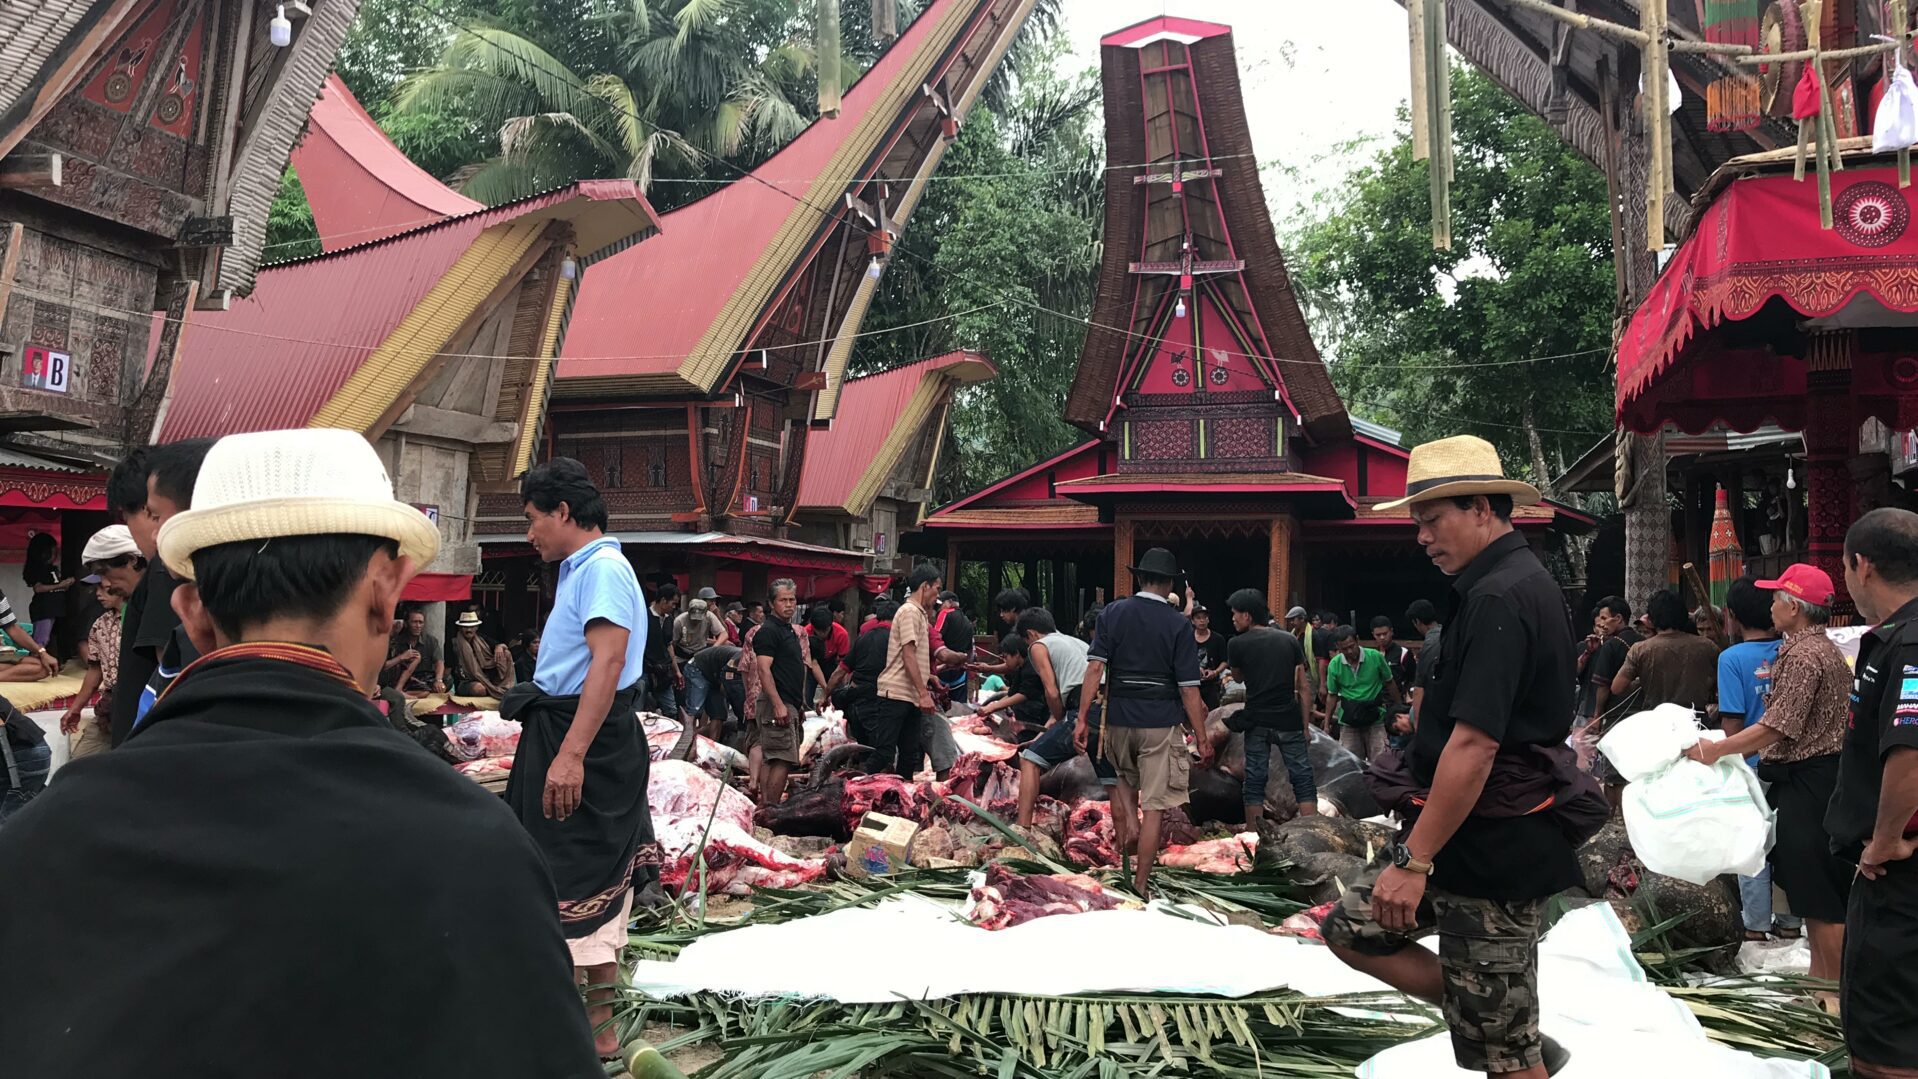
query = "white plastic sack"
{"x": 1896, "y": 124}
{"x": 1686, "y": 819}
{"x": 1644, "y": 743}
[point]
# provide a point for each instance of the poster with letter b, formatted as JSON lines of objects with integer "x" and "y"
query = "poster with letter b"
{"x": 45, "y": 369}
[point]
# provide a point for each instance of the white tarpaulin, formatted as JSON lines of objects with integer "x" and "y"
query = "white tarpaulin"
{"x": 1595, "y": 998}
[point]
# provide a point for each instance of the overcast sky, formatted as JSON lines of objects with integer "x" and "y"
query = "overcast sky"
{"x": 1317, "y": 74}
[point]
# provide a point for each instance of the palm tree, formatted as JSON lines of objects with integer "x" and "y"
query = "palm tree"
{"x": 679, "y": 83}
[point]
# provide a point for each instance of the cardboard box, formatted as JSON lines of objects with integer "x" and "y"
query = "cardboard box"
{"x": 880, "y": 846}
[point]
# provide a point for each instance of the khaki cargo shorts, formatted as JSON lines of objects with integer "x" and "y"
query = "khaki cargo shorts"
{"x": 776, "y": 743}
{"x": 1488, "y": 953}
{"x": 1152, "y": 761}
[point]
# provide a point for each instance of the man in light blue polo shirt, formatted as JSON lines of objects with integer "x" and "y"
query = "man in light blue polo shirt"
{"x": 578, "y": 781}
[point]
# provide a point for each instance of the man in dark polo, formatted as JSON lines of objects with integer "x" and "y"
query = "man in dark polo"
{"x": 1873, "y": 817}
{"x": 1503, "y": 681}
{"x": 1152, "y": 687}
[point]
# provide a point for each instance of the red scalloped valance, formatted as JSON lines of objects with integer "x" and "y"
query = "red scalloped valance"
{"x": 1761, "y": 239}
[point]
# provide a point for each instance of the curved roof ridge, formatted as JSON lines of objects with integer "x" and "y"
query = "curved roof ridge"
{"x": 361, "y": 187}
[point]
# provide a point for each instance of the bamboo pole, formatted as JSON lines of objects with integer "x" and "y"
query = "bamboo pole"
{"x": 1415, "y": 30}
{"x": 1657, "y": 121}
{"x": 827, "y": 50}
{"x": 1824, "y": 142}
{"x": 1899, "y": 21}
{"x": 1637, "y": 37}
{"x": 1438, "y": 84}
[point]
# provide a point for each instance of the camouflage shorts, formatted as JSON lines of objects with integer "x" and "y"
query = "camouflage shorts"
{"x": 1488, "y": 953}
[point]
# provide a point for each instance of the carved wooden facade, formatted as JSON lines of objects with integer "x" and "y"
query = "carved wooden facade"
{"x": 141, "y": 144}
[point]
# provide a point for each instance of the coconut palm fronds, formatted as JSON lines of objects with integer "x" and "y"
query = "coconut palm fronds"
{"x": 1107, "y": 1036}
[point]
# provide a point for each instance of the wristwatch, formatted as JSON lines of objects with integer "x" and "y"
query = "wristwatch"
{"x": 1402, "y": 857}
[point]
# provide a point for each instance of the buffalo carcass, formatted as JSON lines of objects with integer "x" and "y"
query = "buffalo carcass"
{"x": 1217, "y": 793}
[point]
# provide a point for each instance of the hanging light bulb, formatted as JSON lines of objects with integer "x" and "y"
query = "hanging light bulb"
{"x": 874, "y": 268}
{"x": 280, "y": 30}
{"x": 1178, "y": 309}
{"x": 1791, "y": 480}
{"x": 569, "y": 268}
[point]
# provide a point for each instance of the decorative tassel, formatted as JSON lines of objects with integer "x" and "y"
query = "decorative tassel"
{"x": 826, "y": 46}
{"x": 1732, "y": 103}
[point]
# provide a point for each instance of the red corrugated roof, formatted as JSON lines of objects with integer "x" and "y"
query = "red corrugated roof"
{"x": 361, "y": 187}
{"x": 644, "y": 310}
{"x": 869, "y": 409}
{"x": 272, "y": 359}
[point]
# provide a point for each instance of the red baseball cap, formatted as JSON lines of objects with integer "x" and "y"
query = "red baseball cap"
{"x": 1809, "y": 583}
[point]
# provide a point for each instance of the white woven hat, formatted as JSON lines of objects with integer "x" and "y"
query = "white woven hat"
{"x": 308, "y": 482}
{"x": 111, "y": 542}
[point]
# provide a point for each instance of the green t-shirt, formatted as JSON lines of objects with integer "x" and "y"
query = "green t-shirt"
{"x": 1367, "y": 684}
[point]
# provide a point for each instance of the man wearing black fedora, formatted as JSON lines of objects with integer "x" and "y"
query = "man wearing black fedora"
{"x": 1479, "y": 854}
{"x": 1145, "y": 653}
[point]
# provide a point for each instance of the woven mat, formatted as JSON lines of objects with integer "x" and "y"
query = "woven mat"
{"x": 33, "y": 696}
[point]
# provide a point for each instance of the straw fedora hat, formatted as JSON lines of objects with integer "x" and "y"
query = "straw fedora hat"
{"x": 308, "y": 482}
{"x": 468, "y": 620}
{"x": 1458, "y": 466}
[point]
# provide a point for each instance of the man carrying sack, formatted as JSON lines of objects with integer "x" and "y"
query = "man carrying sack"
{"x": 578, "y": 781}
{"x": 1152, "y": 686}
{"x": 298, "y": 866}
{"x": 1471, "y": 865}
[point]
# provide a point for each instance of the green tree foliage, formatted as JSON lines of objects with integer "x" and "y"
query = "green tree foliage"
{"x": 1009, "y": 229}
{"x": 1425, "y": 340}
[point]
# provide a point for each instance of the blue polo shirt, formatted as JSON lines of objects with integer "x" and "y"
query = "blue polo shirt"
{"x": 595, "y": 581}
{"x": 1142, "y": 637}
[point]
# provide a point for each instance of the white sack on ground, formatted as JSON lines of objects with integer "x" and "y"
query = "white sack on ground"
{"x": 1687, "y": 820}
{"x": 1594, "y": 996}
{"x": 1595, "y": 1000}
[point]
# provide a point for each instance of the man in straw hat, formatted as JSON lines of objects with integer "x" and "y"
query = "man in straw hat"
{"x": 1152, "y": 685}
{"x": 579, "y": 776}
{"x": 1477, "y": 861}
{"x": 296, "y": 862}
{"x": 481, "y": 668}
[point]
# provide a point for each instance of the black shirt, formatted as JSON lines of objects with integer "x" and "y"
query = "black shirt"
{"x": 716, "y": 662}
{"x": 867, "y": 658}
{"x": 21, "y": 732}
{"x": 1604, "y": 666}
{"x": 1147, "y": 645}
{"x": 146, "y": 627}
{"x": 1398, "y": 659}
{"x": 659, "y": 637}
{"x": 1884, "y": 716}
{"x": 1268, "y": 660}
{"x": 777, "y": 639}
{"x": 1212, "y": 650}
{"x": 956, "y": 633}
{"x": 44, "y": 605}
{"x": 1505, "y": 666}
{"x": 1428, "y": 655}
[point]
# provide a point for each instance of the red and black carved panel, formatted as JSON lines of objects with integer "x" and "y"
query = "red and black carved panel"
{"x": 1164, "y": 439}
{"x": 1241, "y": 437}
{"x": 788, "y": 493}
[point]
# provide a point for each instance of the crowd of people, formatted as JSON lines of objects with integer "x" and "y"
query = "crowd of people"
{"x": 253, "y": 656}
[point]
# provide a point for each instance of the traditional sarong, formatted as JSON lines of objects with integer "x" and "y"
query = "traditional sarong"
{"x": 606, "y": 846}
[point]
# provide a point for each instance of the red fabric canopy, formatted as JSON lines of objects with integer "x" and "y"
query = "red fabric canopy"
{"x": 438, "y": 588}
{"x": 1758, "y": 240}
{"x": 37, "y": 489}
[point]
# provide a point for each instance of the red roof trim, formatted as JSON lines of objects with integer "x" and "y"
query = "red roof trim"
{"x": 1387, "y": 447}
{"x": 1149, "y": 486}
{"x": 975, "y": 526}
{"x": 1029, "y": 470}
{"x": 1143, "y": 33}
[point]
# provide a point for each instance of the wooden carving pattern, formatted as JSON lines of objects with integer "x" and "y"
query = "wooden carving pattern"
{"x": 1161, "y": 439}
{"x": 1238, "y": 437}
{"x": 788, "y": 493}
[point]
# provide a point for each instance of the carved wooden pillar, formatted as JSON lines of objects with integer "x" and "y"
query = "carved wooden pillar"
{"x": 1831, "y": 438}
{"x": 143, "y": 419}
{"x": 1278, "y": 579}
{"x": 1121, "y": 557}
{"x": 1639, "y": 459}
{"x": 952, "y": 567}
